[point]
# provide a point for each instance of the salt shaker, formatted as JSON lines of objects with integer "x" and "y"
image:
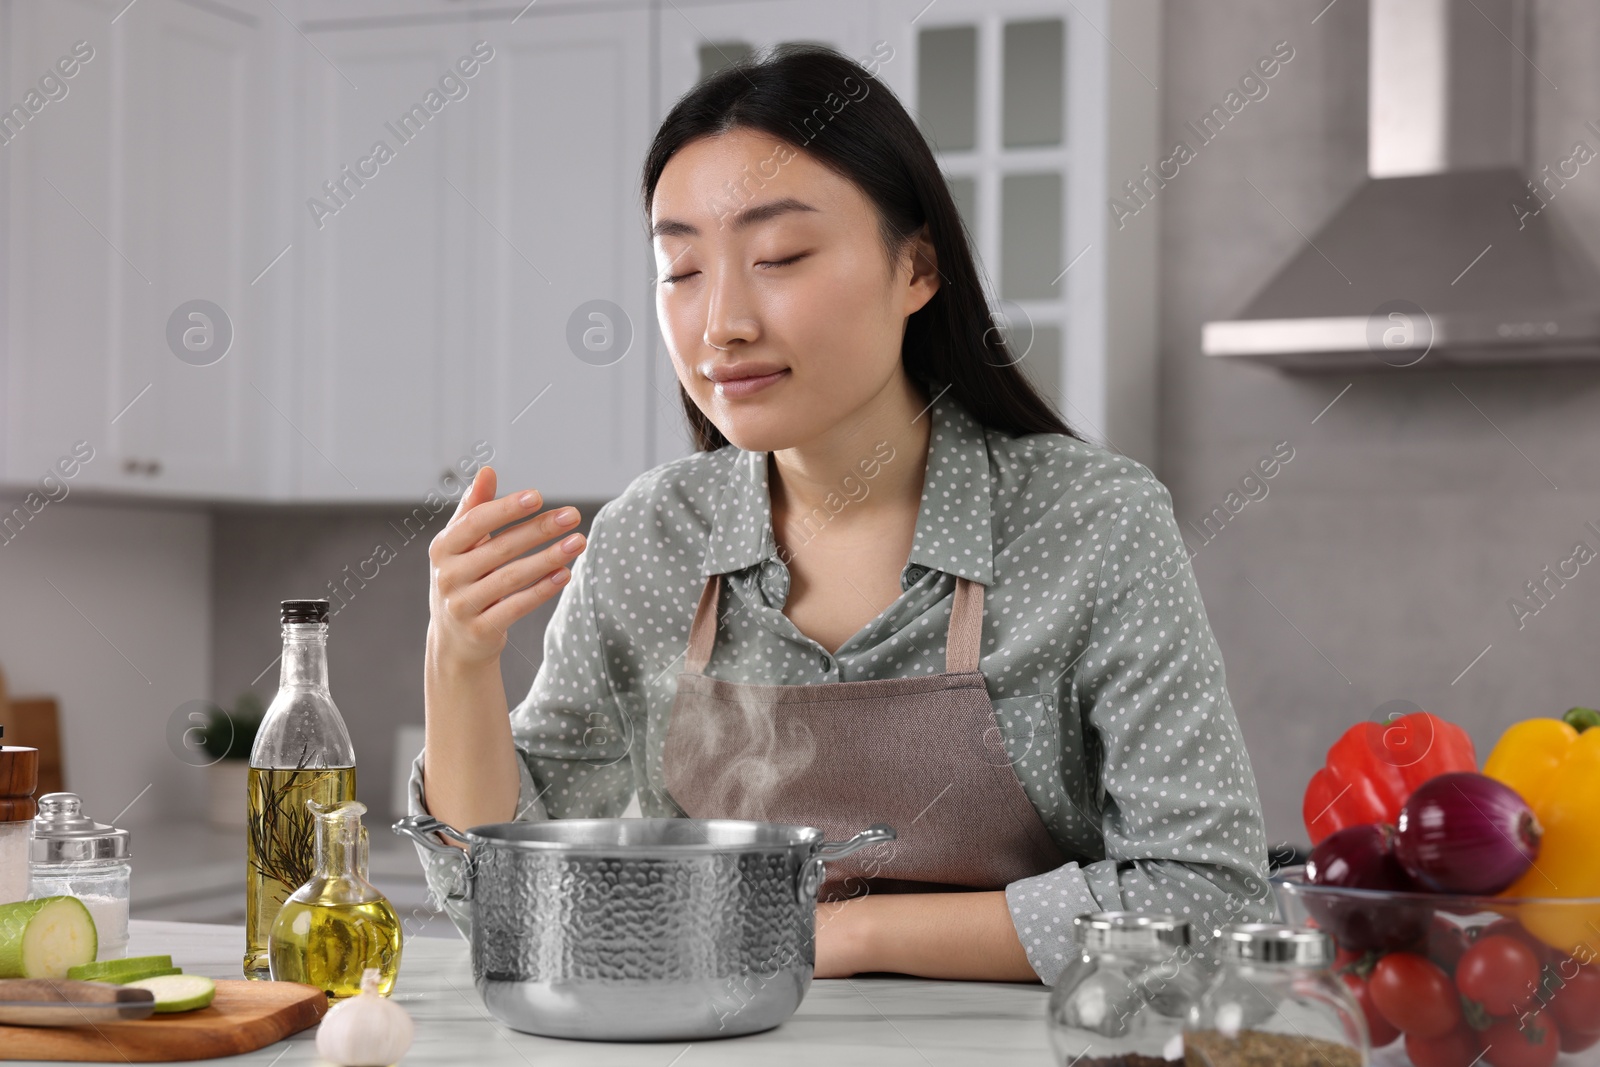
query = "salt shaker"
{"x": 19, "y": 777}
{"x": 73, "y": 855}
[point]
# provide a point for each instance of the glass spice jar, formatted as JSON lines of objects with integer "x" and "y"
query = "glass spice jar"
{"x": 1122, "y": 1001}
{"x": 1276, "y": 1003}
{"x": 72, "y": 855}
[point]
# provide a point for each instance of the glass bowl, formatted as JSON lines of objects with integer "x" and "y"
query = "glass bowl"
{"x": 1532, "y": 1006}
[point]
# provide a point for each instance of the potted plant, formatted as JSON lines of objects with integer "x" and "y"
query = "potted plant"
{"x": 227, "y": 740}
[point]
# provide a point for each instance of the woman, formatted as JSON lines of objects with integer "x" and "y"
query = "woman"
{"x": 890, "y": 586}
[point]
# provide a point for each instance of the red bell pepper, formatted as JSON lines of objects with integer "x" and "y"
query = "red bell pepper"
{"x": 1373, "y": 768}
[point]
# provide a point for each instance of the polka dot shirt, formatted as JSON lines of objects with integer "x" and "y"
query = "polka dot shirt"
{"x": 1105, "y": 678}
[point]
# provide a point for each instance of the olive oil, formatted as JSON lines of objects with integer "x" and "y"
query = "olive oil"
{"x": 302, "y": 756}
{"x": 329, "y": 945}
{"x": 337, "y": 925}
{"x": 282, "y": 846}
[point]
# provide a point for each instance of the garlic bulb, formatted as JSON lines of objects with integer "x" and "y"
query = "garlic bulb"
{"x": 368, "y": 1030}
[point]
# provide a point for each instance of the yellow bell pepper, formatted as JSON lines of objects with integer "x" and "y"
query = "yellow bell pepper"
{"x": 1556, "y": 769}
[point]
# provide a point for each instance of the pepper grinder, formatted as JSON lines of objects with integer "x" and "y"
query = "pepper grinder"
{"x": 19, "y": 777}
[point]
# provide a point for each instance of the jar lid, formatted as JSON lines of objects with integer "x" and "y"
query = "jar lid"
{"x": 19, "y": 777}
{"x": 62, "y": 833}
{"x": 1130, "y": 930}
{"x": 1297, "y": 946}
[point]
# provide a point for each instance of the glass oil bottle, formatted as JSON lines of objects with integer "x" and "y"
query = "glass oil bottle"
{"x": 334, "y": 927}
{"x": 302, "y": 753}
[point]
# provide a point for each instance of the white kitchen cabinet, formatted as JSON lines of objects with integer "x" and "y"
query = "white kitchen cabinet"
{"x": 129, "y": 197}
{"x": 561, "y": 376}
{"x": 478, "y": 284}
{"x": 382, "y": 255}
{"x": 59, "y": 265}
{"x": 438, "y": 295}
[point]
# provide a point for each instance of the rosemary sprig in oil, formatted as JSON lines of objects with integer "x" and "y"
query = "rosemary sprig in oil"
{"x": 282, "y": 832}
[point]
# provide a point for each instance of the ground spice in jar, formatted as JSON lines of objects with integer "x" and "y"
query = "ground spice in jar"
{"x": 1132, "y": 1059}
{"x": 1257, "y": 1048}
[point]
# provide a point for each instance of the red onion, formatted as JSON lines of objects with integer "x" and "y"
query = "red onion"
{"x": 1358, "y": 857}
{"x": 1464, "y": 833}
{"x": 1362, "y": 857}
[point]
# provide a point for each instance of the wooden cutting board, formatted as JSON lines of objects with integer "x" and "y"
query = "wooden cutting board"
{"x": 245, "y": 1016}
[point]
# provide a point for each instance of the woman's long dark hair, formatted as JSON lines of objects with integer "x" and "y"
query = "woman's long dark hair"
{"x": 873, "y": 142}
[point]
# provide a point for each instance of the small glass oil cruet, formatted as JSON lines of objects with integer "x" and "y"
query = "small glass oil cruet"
{"x": 334, "y": 927}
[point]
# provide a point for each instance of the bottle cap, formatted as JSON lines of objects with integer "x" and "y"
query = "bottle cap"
{"x": 1297, "y": 946}
{"x": 64, "y": 834}
{"x": 19, "y": 777}
{"x": 305, "y": 611}
{"x": 1130, "y": 930}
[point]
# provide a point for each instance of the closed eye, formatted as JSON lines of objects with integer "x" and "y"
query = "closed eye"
{"x": 674, "y": 278}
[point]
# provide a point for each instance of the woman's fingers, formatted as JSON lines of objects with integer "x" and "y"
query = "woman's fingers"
{"x": 511, "y": 543}
{"x": 478, "y": 516}
{"x": 520, "y": 573}
{"x": 481, "y": 489}
{"x": 511, "y": 608}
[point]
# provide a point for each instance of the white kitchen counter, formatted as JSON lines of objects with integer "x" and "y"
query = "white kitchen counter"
{"x": 881, "y": 1020}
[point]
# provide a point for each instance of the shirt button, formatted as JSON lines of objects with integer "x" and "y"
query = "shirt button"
{"x": 915, "y": 572}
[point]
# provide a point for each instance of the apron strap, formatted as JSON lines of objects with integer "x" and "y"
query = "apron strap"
{"x": 703, "y": 631}
{"x": 963, "y": 640}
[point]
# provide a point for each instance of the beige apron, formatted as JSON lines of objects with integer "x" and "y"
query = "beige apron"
{"x": 923, "y": 754}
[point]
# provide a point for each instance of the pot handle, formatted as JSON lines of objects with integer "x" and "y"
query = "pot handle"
{"x": 421, "y": 829}
{"x": 872, "y": 835}
{"x": 810, "y": 879}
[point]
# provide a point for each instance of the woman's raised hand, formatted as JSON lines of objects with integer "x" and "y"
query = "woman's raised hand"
{"x": 480, "y": 582}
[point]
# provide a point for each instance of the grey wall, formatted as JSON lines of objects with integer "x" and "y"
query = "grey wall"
{"x": 263, "y": 555}
{"x": 106, "y": 607}
{"x": 1394, "y": 539}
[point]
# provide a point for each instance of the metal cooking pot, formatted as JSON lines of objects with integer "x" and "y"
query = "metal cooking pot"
{"x": 641, "y": 929}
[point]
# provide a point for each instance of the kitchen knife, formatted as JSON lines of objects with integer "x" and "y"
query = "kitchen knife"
{"x": 61, "y": 1002}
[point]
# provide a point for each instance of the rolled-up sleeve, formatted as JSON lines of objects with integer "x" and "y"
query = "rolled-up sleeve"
{"x": 572, "y": 733}
{"x": 1173, "y": 793}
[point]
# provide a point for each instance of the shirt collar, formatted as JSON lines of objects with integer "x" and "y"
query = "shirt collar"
{"x": 953, "y": 532}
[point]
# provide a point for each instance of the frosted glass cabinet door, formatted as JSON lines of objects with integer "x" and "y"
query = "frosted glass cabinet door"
{"x": 561, "y": 302}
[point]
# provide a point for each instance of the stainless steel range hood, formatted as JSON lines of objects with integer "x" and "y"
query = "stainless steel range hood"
{"x": 1448, "y": 250}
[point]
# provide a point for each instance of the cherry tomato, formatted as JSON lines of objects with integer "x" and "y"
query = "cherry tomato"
{"x": 1446, "y": 942}
{"x": 1573, "y": 1041}
{"x": 1512, "y": 928}
{"x": 1415, "y": 994}
{"x": 1530, "y": 1041}
{"x": 1458, "y": 1048}
{"x": 1576, "y": 1005}
{"x": 1499, "y": 972}
{"x": 1381, "y": 1030}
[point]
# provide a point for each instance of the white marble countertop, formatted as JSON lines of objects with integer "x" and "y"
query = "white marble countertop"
{"x": 876, "y": 1020}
